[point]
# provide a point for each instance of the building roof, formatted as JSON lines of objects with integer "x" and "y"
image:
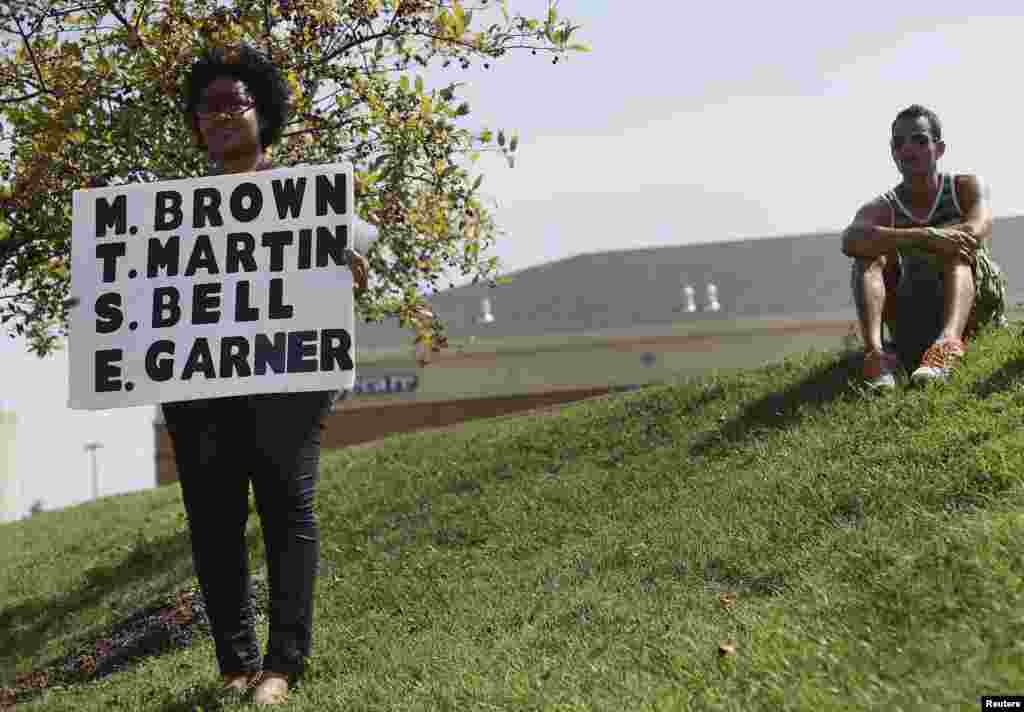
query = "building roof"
{"x": 804, "y": 276}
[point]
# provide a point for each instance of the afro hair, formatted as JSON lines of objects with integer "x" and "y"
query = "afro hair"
{"x": 260, "y": 76}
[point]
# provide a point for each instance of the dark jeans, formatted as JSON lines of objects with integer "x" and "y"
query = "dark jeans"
{"x": 221, "y": 445}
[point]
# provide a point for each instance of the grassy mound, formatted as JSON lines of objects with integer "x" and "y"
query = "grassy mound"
{"x": 773, "y": 539}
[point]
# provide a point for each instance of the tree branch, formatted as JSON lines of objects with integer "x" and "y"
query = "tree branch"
{"x": 32, "y": 56}
{"x": 16, "y": 99}
{"x": 268, "y": 26}
{"x": 352, "y": 45}
{"x": 109, "y": 4}
{"x": 11, "y": 245}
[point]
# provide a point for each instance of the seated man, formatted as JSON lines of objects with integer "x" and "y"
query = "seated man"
{"x": 921, "y": 260}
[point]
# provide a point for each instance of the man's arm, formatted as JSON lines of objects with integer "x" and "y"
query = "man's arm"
{"x": 869, "y": 235}
{"x": 974, "y": 197}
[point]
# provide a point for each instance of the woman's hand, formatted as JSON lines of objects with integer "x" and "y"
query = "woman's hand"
{"x": 360, "y": 270}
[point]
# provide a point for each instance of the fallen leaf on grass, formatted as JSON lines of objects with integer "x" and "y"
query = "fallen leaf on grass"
{"x": 180, "y": 612}
{"x": 32, "y": 680}
{"x": 7, "y": 698}
{"x": 727, "y": 648}
{"x": 87, "y": 664}
{"x": 727, "y": 600}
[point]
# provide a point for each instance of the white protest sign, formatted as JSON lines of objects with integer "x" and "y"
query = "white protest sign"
{"x": 216, "y": 286}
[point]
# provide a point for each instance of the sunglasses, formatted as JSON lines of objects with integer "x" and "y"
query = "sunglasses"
{"x": 920, "y": 140}
{"x": 231, "y": 106}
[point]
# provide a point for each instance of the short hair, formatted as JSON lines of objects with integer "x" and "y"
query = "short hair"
{"x": 261, "y": 77}
{"x": 916, "y": 111}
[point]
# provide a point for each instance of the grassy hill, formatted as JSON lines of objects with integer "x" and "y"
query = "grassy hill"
{"x": 765, "y": 540}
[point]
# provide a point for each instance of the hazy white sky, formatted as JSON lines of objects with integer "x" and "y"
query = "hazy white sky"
{"x": 687, "y": 123}
{"x": 736, "y": 119}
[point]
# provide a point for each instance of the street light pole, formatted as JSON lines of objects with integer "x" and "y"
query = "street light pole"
{"x": 91, "y": 448}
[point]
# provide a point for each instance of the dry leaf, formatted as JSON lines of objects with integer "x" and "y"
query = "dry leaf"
{"x": 87, "y": 664}
{"x": 32, "y": 680}
{"x": 7, "y": 698}
{"x": 727, "y": 600}
{"x": 727, "y": 648}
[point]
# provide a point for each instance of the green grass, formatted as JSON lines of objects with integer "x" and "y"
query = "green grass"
{"x": 579, "y": 561}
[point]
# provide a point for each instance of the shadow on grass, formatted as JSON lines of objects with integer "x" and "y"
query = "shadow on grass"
{"x": 207, "y": 698}
{"x": 26, "y": 627}
{"x": 1002, "y": 379}
{"x": 781, "y": 410}
{"x": 152, "y": 629}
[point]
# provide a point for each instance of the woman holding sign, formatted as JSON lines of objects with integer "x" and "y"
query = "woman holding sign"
{"x": 236, "y": 107}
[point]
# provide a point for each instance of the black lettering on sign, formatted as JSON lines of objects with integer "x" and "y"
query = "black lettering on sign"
{"x": 288, "y": 196}
{"x": 241, "y": 245}
{"x": 108, "y": 370}
{"x": 270, "y": 353}
{"x": 202, "y": 257}
{"x": 160, "y": 369}
{"x": 244, "y": 311}
{"x": 246, "y": 210}
{"x": 167, "y": 214}
{"x": 199, "y": 359}
{"x": 109, "y": 252}
{"x": 276, "y": 241}
{"x": 206, "y": 207}
{"x": 277, "y": 309}
{"x": 332, "y": 246}
{"x": 109, "y": 316}
{"x": 332, "y": 194}
{"x": 234, "y": 357}
{"x": 166, "y": 299}
{"x": 305, "y": 248}
{"x": 206, "y": 303}
{"x": 301, "y": 351}
{"x": 115, "y": 216}
{"x": 335, "y": 350}
{"x": 163, "y": 256}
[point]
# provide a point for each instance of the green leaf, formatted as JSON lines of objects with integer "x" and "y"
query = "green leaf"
{"x": 460, "y": 18}
{"x": 514, "y": 142}
{"x": 579, "y": 47}
{"x": 419, "y": 84}
{"x": 486, "y": 136}
{"x": 476, "y": 183}
{"x": 404, "y": 82}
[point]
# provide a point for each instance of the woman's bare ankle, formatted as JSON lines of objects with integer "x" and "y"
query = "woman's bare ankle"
{"x": 239, "y": 680}
{"x": 272, "y": 689}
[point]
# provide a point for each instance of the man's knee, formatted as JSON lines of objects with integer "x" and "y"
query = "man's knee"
{"x": 882, "y": 270}
{"x": 870, "y": 264}
{"x": 956, "y": 263}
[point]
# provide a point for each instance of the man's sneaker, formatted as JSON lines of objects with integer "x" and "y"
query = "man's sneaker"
{"x": 938, "y": 362}
{"x": 880, "y": 368}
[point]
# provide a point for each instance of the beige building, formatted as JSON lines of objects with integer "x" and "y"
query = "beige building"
{"x": 9, "y": 494}
{"x": 588, "y": 325}
{"x": 593, "y": 323}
